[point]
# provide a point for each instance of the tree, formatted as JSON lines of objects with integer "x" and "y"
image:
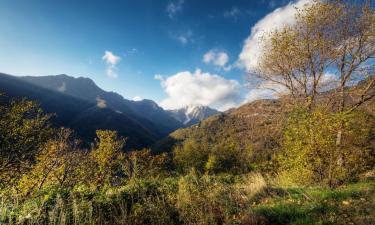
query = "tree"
{"x": 229, "y": 156}
{"x": 24, "y": 128}
{"x": 328, "y": 37}
{"x": 224, "y": 156}
{"x": 328, "y": 49}
{"x": 190, "y": 154}
{"x": 59, "y": 163}
{"x": 107, "y": 156}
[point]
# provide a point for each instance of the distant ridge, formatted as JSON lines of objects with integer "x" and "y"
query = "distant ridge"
{"x": 81, "y": 105}
{"x": 192, "y": 114}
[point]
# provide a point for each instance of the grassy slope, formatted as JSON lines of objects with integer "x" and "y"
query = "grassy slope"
{"x": 351, "y": 204}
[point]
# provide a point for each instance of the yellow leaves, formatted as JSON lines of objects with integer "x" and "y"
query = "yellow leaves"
{"x": 310, "y": 152}
{"x": 23, "y": 128}
{"x": 328, "y": 36}
{"x": 106, "y": 156}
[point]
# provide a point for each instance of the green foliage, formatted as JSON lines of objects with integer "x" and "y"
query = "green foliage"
{"x": 190, "y": 155}
{"x": 311, "y": 154}
{"x": 225, "y": 156}
{"x": 230, "y": 157}
{"x": 59, "y": 163}
{"x": 352, "y": 204}
{"x": 24, "y": 128}
{"x": 142, "y": 163}
{"x": 106, "y": 157}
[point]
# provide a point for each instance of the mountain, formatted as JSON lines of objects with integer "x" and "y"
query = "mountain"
{"x": 81, "y": 105}
{"x": 147, "y": 112}
{"x": 192, "y": 114}
{"x": 258, "y": 124}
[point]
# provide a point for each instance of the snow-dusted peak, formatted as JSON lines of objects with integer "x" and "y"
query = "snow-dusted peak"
{"x": 192, "y": 114}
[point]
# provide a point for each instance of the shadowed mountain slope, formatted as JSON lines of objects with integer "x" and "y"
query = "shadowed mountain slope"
{"x": 81, "y": 105}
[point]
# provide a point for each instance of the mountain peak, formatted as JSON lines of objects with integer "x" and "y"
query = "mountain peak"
{"x": 81, "y": 87}
{"x": 192, "y": 114}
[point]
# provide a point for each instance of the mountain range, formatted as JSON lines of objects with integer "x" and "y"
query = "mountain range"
{"x": 258, "y": 124}
{"x": 78, "y": 103}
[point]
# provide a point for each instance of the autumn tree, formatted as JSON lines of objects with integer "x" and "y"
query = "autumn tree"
{"x": 311, "y": 154}
{"x": 330, "y": 45}
{"x": 106, "y": 157}
{"x": 325, "y": 56}
{"x": 24, "y": 128}
{"x": 60, "y": 163}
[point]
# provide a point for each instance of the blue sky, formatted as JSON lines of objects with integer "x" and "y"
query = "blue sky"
{"x": 144, "y": 40}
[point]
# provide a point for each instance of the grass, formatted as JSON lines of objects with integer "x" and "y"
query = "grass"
{"x": 351, "y": 204}
{"x": 193, "y": 199}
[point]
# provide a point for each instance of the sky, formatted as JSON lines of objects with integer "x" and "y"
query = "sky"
{"x": 175, "y": 52}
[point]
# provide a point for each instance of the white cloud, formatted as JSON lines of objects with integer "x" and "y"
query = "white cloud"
{"x": 110, "y": 58}
{"x": 187, "y": 88}
{"x": 111, "y": 61}
{"x": 252, "y": 49}
{"x": 328, "y": 81}
{"x": 137, "y": 98}
{"x": 265, "y": 90}
{"x": 215, "y": 57}
{"x": 174, "y": 7}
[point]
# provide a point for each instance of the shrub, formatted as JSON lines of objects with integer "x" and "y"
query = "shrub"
{"x": 310, "y": 152}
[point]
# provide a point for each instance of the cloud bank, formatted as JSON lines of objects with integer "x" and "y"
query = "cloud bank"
{"x": 187, "y": 88}
{"x": 252, "y": 49}
{"x": 111, "y": 60}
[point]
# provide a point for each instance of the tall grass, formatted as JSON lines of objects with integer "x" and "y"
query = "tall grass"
{"x": 190, "y": 199}
{"x": 194, "y": 199}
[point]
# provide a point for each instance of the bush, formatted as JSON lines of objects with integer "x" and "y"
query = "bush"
{"x": 223, "y": 157}
{"x": 310, "y": 152}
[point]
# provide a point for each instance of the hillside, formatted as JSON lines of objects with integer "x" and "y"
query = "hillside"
{"x": 258, "y": 123}
{"x": 147, "y": 112}
{"x": 81, "y": 105}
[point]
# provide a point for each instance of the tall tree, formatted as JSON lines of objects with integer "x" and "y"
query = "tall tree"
{"x": 330, "y": 46}
{"x": 328, "y": 38}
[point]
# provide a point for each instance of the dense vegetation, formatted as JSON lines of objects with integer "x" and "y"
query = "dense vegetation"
{"x": 307, "y": 158}
{"x": 58, "y": 182}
